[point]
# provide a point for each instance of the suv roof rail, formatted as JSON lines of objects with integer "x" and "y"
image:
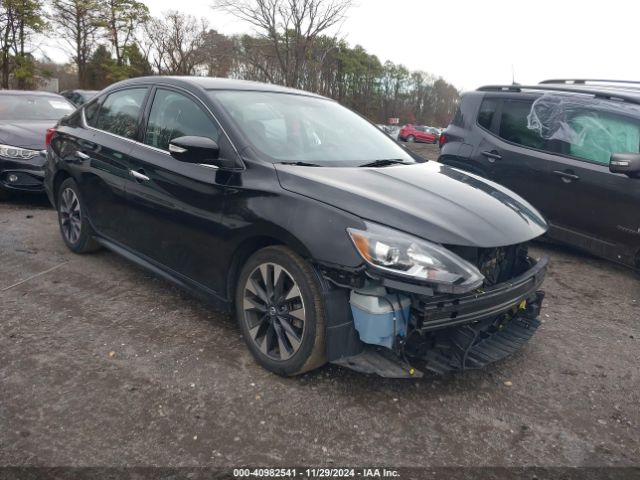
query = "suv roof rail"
{"x": 584, "y": 81}
{"x": 501, "y": 88}
{"x": 605, "y": 93}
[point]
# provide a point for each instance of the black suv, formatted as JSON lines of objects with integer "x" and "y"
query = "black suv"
{"x": 570, "y": 147}
{"x": 329, "y": 240}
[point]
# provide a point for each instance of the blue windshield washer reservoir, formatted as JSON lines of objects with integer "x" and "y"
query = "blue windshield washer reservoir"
{"x": 374, "y": 311}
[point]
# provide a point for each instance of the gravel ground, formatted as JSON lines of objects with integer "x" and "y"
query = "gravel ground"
{"x": 104, "y": 364}
{"x": 426, "y": 150}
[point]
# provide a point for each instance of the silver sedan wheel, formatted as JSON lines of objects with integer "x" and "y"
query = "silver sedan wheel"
{"x": 70, "y": 215}
{"x": 274, "y": 311}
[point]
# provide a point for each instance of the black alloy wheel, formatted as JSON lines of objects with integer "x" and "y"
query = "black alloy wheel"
{"x": 280, "y": 310}
{"x": 74, "y": 225}
{"x": 70, "y": 215}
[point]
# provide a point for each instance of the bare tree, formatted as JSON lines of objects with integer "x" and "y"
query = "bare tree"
{"x": 290, "y": 27}
{"x": 218, "y": 53}
{"x": 177, "y": 43}
{"x": 77, "y": 23}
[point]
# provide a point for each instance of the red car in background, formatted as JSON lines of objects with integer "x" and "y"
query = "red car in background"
{"x": 418, "y": 133}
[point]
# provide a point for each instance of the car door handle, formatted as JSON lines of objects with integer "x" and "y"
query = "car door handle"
{"x": 492, "y": 155}
{"x": 82, "y": 156}
{"x": 139, "y": 176}
{"x": 566, "y": 175}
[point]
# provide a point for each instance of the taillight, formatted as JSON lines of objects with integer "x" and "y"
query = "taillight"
{"x": 442, "y": 140}
{"x": 48, "y": 136}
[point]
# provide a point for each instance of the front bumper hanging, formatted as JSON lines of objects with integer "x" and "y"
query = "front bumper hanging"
{"x": 474, "y": 346}
{"x": 462, "y": 333}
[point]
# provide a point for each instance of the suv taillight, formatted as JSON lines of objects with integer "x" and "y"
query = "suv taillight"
{"x": 48, "y": 136}
{"x": 443, "y": 139}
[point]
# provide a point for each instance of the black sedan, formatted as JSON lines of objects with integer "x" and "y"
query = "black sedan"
{"x": 24, "y": 119}
{"x": 329, "y": 240}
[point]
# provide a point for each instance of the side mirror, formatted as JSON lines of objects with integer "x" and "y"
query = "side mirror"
{"x": 627, "y": 163}
{"x": 201, "y": 150}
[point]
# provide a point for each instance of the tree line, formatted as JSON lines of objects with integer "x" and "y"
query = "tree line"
{"x": 290, "y": 44}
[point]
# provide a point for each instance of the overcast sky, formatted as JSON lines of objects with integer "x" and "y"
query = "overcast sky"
{"x": 472, "y": 43}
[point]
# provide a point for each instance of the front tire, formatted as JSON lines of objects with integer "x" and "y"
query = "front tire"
{"x": 411, "y": 139}
{"x": 72, "y": 218}
{"x": 280, "y": 310}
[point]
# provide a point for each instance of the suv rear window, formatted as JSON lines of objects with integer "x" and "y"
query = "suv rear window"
{"x": 513, "y": 124}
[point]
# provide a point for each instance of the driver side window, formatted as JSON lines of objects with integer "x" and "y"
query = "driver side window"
{"x": 176, "y": 115}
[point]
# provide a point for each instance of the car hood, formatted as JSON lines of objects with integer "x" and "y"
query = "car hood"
{"x": 429, "y": 200}
{"x": 27, "y": 134}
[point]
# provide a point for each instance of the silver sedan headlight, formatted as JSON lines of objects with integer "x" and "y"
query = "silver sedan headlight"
{"x": 17, "y": 153}
{"x": 408, "y": 256}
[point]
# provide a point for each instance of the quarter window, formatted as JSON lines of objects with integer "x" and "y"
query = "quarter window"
{"x": 176, "y": 115}
{"x": 458, "y": 119}
{"x": 90, "y": 112}
{"x": 487, "y": 110}
{"x": 513, "y": 124}
{"x": 120, "y": 112}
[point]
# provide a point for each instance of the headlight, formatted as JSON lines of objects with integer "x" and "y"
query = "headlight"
{"x": 17, "y": 153}
{"x": 413, "y": 257}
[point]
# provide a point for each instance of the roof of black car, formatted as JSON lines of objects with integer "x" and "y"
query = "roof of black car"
{"x": 214, "y": 83}
{"x": 626, "y": 91}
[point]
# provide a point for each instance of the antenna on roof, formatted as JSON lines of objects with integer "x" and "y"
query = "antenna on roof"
{"x": 513, "y": 75}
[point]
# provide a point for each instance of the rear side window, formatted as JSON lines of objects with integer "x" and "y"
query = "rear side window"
{"x": 486, "y": 113}
{"x": 175, "y": 115}
{"x": 514, "y": 127}
{"x": 120, "y": 112}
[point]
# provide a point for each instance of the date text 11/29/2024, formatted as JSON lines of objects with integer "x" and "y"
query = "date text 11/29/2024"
{"x": 315, "y": 473}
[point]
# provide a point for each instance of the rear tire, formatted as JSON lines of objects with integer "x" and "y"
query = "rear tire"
{"x": 72, "y": 218}
{"x": 280, "y": 310}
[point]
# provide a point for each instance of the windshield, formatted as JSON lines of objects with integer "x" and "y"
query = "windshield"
{"x": 297, "y": 128}
{"x": 33, "y": 107}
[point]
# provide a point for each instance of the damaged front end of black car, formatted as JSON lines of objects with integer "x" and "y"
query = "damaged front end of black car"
{"x": 471, "y": 297}
{"x": 399, "y": 328}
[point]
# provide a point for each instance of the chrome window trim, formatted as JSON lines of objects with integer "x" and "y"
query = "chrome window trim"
{"x": 166, "y": 152}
